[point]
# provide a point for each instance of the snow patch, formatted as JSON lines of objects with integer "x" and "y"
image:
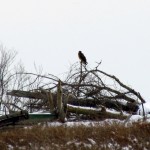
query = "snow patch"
{"x": 91, "y": 141}
{"x": 135, "y": 118}
{"x": 146, "y": 109}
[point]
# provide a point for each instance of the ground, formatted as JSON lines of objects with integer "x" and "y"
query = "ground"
{"x": 109, "y": 134}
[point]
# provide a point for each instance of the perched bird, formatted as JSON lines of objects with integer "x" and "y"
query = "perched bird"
{"x": 82, "y": 58}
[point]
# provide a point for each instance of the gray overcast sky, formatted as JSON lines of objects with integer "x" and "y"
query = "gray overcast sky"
{"x": 51, "y": 32}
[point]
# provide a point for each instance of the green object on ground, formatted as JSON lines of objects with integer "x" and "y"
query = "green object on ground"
{"x": 42, "y": 116}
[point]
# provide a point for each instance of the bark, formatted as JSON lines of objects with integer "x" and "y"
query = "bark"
{"x": 112, "y": 104}
{"x": 98, "y": 114}
{"x": 60, "y": 107}
{"x": 12, "y": 118}
{"x": 48, "y": 96}
{"x": 27, "y": 94}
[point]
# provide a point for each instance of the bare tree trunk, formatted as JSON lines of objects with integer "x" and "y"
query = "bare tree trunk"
{"x": 99, "y": 114}
{"x": 48, "y": 97}
{"x": 60, "y": 108}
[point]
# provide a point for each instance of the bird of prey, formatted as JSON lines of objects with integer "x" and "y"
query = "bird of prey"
{"x": 82, "y": 58}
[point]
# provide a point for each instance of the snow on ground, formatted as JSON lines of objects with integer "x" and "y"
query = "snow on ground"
{"x": 79, "y": 144}
{"x": 87, "y": 123}
{"x": 135, "y": 118}
{"x": 146, "y": 109}
{"x": 90, "y": 123}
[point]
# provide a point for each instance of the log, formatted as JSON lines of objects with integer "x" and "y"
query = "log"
{"x": 112, "y": 104}
{"x": 98, "y": 114}
{"x": 12, "y": 118}
{"x": 27, "y": 94}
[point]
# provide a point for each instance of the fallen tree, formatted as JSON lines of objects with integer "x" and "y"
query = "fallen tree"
{"x": 113, "y": 104}
{"x": 82, "y": 87}
{"x": 99, "y": 113}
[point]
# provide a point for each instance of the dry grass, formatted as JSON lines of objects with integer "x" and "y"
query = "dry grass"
{"x": 104, "y": 137}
